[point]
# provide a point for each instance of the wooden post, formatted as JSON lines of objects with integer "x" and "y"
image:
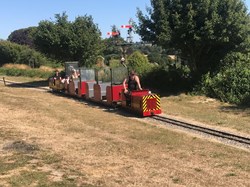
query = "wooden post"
{"x": 4, "y": 81}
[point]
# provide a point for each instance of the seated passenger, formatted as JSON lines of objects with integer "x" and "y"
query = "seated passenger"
{"x": 133, "y": 82}
{"x": 57, "y": 76}
{"x": 75, "y": 74}
{"x": 66, "y": 79}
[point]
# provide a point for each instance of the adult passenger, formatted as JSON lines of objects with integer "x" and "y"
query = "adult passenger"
{"x": 75, "y": 74}
{"x": 57, "y": 76}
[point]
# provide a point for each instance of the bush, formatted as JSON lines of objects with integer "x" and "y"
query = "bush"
{"x": 8, "y": 52}
{"x": 168, "y": 79}
{"x": 231, "y": 83}
{"x": 114, "y": 63}
{"x": 139, "y": 63}
{"x": 19, "y": 54}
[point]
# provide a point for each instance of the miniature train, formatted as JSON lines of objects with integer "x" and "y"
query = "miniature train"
{"x": 105, "y": 86}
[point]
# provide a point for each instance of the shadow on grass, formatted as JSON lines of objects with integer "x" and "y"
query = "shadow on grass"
{"x": 236, "y": 109}
{"x": 116, "y": 109}
{"x": 42, "y": 84}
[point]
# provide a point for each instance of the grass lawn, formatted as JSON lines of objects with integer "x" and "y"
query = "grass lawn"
{"x": 208, "y": 111}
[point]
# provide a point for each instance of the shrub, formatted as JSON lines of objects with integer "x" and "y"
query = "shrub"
{"x": 8, "y": 52}
{"x": 114, "y": 63}
{"x": 139, "y": 63}
{"x": 19, "y": 54}
{"x": 231, "y": 83}
{"x": 169, "y": 79}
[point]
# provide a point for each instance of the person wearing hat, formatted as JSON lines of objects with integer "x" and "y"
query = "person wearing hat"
{"x": 133, "y": 83}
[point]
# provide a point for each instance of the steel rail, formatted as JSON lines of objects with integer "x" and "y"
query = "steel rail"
{"x": 206, "y": 130}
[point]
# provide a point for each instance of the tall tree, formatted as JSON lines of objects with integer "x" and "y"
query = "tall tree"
{"x": 22, "y": 36}
{"x": 203, "y": 31}
{"x": 79, "y": 40}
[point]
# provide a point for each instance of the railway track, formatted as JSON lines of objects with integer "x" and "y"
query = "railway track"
{"x": 245, "y": 141}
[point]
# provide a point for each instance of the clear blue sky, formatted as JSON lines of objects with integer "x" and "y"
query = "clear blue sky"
{"x": 17, "y": 14}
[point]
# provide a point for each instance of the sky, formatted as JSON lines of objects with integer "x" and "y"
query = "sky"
{"x": 18, "y": 14}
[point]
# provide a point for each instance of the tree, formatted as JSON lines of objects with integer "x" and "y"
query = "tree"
{"x": 139, "y": 63}
{"x": 204, "y": 31}
{"x": 79, "y": 40}
{"x": 231, "y": 83}
{"x": 111, "y": 50}
{"x": 19, "y": 54}
{"x": 22, "y": 36}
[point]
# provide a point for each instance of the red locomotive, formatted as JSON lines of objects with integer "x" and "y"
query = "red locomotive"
{"x": 105, "y": 86}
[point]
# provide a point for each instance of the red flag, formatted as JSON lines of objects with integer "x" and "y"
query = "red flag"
{"x": 126, "y": 26}
{"x": 113, "y": 33}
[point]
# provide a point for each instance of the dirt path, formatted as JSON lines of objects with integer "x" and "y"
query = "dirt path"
{"x": 92, "y": 146}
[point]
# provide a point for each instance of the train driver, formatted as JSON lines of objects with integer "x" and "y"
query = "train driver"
{"x": 133, "y": 82}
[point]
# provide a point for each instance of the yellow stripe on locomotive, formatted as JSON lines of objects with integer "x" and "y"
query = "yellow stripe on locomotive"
{"x": 151, "y": 104}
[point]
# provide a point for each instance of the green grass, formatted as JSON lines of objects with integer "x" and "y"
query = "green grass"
{"x": 50, "y": 159}
{"x": 20, "y": 171}
{"x": 17, "y": 160}
{"x": 25, "y": 72}
{"x": 27, "y": 178}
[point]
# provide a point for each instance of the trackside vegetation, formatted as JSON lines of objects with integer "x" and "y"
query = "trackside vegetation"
{"x": 26, "y": 72}
{"x": 204, "y": 33}
{"x": 20, "y": 54}
{"x": 231, "y": 83}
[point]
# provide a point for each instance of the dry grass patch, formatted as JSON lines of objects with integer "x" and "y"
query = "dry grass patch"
{"x": 24, "y": 66}
{"x": 17, "y": 66}
{"x": 208, "y": 111}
